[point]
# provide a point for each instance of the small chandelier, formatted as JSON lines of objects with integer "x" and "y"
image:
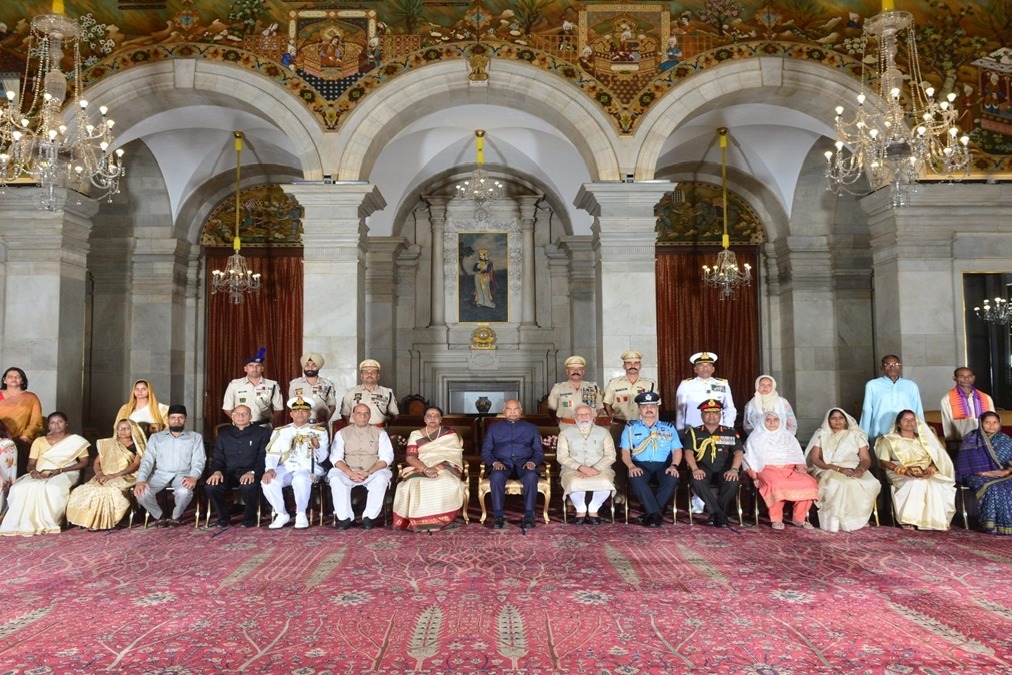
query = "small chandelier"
{"x": 725, "y": 276}
{"x": 34, "y": 141}
{"x": 236, "y": 279}
{"x": 479, "y": 187}
{"x": 913, "y": 134}
{"x": 999, "y": 314}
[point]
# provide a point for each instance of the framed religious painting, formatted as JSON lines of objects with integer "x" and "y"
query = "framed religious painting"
{"x": 482, "y": 277}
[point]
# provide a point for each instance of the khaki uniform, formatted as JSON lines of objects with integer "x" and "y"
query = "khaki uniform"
{"x": 621, "y": 395}
{"x": 262, "y": 398}
{"x": 564, "y": 399}
{"x": 381, "y": 401}
{"x": 322, "y": 392}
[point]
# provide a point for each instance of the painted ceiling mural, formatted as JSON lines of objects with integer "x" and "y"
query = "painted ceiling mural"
{"x": 623, "y": 55}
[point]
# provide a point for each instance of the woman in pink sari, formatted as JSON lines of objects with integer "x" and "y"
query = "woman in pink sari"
{"x": 774, "y": 460}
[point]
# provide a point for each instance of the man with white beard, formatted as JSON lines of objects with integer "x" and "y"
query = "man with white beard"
{"x": 586, "y": 453}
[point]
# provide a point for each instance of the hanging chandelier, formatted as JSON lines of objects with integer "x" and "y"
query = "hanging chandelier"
{"x": 726, "y": 276}
{"x": 35, "y": 140}
{"x": 912, "y": 135}
{"x": 999, "y": 314}
{"x": 479, "y": 187}
{"x": 236, "y": 279}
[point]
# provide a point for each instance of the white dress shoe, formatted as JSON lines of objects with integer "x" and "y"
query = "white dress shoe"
{"x": 279, "y": 521}
{"x": 301, "y": 522}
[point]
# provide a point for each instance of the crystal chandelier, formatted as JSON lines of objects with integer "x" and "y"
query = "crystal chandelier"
{"x": 236, "y": 279}
{"x": 35, "y": 141}
{"x": 911, "y": 135}
{"x": 999, "y": 314}
{"x": 725, "y": 276}
{"x": 479, "y": 187}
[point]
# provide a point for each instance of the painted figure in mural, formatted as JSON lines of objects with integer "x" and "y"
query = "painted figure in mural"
{"x": 586, "y": 60}
{"x": 672, "y": 55}
{"x": 331, "y": 53}
{"x": 484, "y": 280}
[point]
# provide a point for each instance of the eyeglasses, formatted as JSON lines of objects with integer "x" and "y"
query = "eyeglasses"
{"x": 892, "y": 364}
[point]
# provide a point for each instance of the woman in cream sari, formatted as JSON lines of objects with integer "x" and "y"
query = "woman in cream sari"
{"x": 38, "y": 500}
{"x": 144, "y": 408}
{"x": 920, "y": 472}
{"x": 430, "y": 492}
{"x": 838, "y": 457}
{"x": 100, "y": 503}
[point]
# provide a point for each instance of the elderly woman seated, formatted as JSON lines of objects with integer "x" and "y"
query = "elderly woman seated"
{"x": 430, "y": 493}
{"x": 101, "y": 503}
{"x": 775, "y": 462}
{"x": 838, "y": 457}
{"x": 920, "y": 473}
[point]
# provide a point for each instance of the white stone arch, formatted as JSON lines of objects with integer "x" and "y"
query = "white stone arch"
{"x": 374, "y": 122}
{"x": 136, "y": 93}
{"x": 808, "y": 87}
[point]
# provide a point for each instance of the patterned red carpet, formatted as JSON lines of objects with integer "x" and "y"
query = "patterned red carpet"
{"x": 566, "y": 599}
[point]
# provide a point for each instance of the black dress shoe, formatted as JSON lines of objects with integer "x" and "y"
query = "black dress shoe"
{"x": 656, "y": 520}
{"x": 160, "y": 522}
{"x": 222, "y": 524}
{"x": 594, "y": 520}
{"x": 173, "y": 522}
{"x": 343, "y": 524}
{"x": 367, "y": 523}
{"x": 498, "y": 523}
{"x": 529, "y": 522}
{"x": 249, "y": 523}
{"x": 646, "y": 519}
{"x": 579, "y": 520}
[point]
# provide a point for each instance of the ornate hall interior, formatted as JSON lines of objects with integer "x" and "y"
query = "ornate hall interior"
{"x": 601, "y": 123}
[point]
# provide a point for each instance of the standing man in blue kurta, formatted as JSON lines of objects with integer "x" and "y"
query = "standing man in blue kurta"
{"x": 885, "y": 397}
{"x": 651, "y": 450}
{"x": 512, "y": 449}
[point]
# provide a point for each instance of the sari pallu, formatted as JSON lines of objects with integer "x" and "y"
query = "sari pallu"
{"x": 37, "y": 505}
{"x": 994, "y": 495}
{"x": 423, "y": 503}
{"x": 100, "y": 506}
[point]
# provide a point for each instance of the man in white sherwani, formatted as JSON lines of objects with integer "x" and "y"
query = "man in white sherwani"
{"x": 294, "y": 454}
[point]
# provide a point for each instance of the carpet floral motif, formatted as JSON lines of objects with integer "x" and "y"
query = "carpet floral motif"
{"x": 616, "y": 599}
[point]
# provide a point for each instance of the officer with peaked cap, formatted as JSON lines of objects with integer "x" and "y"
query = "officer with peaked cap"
{"x": 694, "y": 390}
{"x": 651, "y": 452}
{"x": 621, "y": 392}
{"x": 713, "y": 453}
{"x": 294, "y": 456}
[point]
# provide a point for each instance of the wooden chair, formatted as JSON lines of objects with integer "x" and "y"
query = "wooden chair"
{"x": 515, "y": 487}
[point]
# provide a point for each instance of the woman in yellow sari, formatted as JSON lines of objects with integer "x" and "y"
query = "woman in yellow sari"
{"x": 144, "y": 408}
{"x": 430, "y": 492}
{"x": 920, "y": 473}
{"x": 38, "y": 500}
{"x": 101, "y": 503}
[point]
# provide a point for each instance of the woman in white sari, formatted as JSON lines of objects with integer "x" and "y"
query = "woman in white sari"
{"x": 838, "y": 457}
{"x": 920, "y": 472}
{"x": 101, "y": 503}
{"x": 430, "y": 493}
{"x": 38, "y": 500}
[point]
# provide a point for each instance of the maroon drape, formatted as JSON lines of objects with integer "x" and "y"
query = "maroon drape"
{"x": 692, "y": 318}
{"x": 271, "y": 318}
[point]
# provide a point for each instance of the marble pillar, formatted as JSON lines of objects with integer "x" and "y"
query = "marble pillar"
{"x": 919, "y": 253}
{"x": 334, "y": 250}
{"x": 625, "y": 241}
{"x": 382, "y": 270}
{"x": 437, "y": 288}
{"x": 528, "y": 211}
{"x": 45, "y": 299}
{"x": 583, "y": 305}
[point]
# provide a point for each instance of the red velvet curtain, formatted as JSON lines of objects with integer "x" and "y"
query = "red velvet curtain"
{"x": 271, "y": 318}
{"x": 692, "y": 318}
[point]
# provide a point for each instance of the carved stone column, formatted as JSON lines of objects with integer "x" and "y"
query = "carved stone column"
{"x": 625, "y": 242}
{"x": 335, "y": 246}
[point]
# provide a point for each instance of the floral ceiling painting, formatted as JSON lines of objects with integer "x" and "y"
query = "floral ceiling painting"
{"x": 624, "y": 56}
